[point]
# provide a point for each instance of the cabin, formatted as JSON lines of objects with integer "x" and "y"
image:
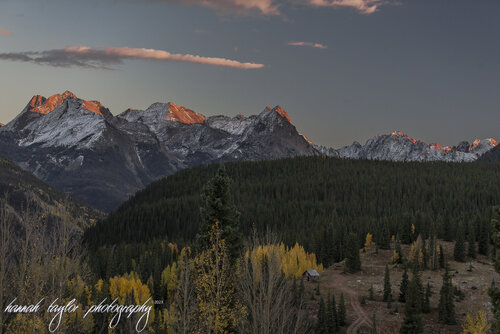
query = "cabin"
{"x": 310, "y": 275}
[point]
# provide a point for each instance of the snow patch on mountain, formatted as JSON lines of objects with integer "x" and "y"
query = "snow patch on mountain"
{"x": 398, "y": 146}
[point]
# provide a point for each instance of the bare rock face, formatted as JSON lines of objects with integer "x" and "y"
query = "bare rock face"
{"x": 397, "y": 146}
{"x": 79, "y": 147}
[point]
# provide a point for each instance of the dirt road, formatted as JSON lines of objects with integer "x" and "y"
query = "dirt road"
{"x": 338, "y": 281}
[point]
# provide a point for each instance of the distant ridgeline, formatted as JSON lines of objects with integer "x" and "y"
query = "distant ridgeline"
{"x": 316, "y": 201}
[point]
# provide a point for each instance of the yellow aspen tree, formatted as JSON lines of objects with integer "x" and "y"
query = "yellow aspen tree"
{"x": 395, "y": 256}
{"x": 218, "y": 309}
{"x": 368, "y": 240}
{"x": 477, "y": 324}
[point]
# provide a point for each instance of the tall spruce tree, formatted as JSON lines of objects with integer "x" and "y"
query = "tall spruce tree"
{"x": 442, "y": 258}
{"x": 471, "y": 243}
{"x": 217, "y": 206}
{"x": 484, "y": 237}
{"x": 387, "y": 286}
{"x": 494, "y": 291}
{"x": 321, "y": 325}
{"x": 353, "y": 261}
{"x": 459, "y": 250}
{"x": 403, "y": 288}
{"x": 331, "y": 314}
{"x": 397, "y": 249}
{"x": 412, "y": 323}
{"x": 447, "y": 300}
{"x": 426, "y": 308}
{"x": 341, "y": 311}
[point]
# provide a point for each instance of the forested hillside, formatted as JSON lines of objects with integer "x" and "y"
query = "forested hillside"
{"x": 317, "y": 201}
{"x": 21, "y": 189}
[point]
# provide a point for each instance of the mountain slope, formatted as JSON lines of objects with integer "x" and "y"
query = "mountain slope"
{"x": 79, "y": 147}
{"x": 492, "y": 155}
{"x": 19, "y": 187}
{"x": 399, "y": 147}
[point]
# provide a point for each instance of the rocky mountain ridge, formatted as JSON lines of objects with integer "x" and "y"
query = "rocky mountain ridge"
{"x": 398, "y": 146}
{"x": 81, "y": 148}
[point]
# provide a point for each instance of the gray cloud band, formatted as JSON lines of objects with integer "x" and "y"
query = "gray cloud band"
{"x": 106, "y": 58}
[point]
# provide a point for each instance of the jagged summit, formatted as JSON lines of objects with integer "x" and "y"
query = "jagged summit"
{"x": 41, "y": 105}
{"x": 103, "y": 160}
{"x": 184, "y": 115}
{"x": 398, "y": 146}
{"x": 280, "y": 111}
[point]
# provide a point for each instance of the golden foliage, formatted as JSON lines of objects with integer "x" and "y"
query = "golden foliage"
{"x": 218, "y": 310}
{"x": 395, "y": 256}
{"x": 294, "y": 261}
{"x": 127, "y": 285}
{"x": 477, "y": 324}
{"x": 169, "y": 279}
{"x": 27, "y": 324}
{"x": 368, "y": 240}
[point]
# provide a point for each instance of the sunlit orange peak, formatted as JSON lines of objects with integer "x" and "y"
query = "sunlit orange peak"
{"x": 36, "y": 101}
{"x": 493, "y": 142}
{"x": 436, "y": 145}
{"x": 282, "y": 112}
{"x": 94, "y": 106}
{"x": 180, "y": 114}
{"x": 52, "y": 102}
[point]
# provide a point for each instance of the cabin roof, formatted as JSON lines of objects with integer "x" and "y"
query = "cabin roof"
{"x": 312, "y": 272}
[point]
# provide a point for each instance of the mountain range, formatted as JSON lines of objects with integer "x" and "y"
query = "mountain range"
{"x": 81, "y": 148}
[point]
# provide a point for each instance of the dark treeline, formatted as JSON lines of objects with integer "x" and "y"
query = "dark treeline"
{"x": 314, "y": 201}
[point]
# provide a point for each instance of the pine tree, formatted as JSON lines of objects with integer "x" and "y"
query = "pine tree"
{"x": 404, "y": 231}
{"x": 447, "y": 229}
{"x": 321, "y": 326}
{"x": 446, "y": 300}
{"x": 341, "y": 311}
{"x": 387, "y": 285}
{"x": 353, "y": 261}
{"x": 442, "y": 260}
{"x": 374, "y": 324}
{"x": 385, "y": 237}
{"x": 370, "y": 291}
{"x": 434, "y": 253}
{"x": 427, "y": 300}
{"x": 412, "y": 323}
{"x": 494, "y": 291}
{"x": 218, "y": 207}
{"x": 484, "y": 237}
{"x": 403, "y": 288}
{"x": 397, "y": 249}
{"x": 331, "y": 313}
{"x": 459, "y": 251}
{"x": 471, "y": 243}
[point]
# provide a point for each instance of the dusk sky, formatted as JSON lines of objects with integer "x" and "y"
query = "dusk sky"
{"x": 344, "y": 70}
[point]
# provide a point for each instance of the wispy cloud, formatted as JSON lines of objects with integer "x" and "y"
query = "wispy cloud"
{"x": 310, "y": 44}
{"x": 106, "y": 58}
{"x": 272, "y": 7}
{"x": 363, "y": 6}
{"x": 5, "y": 32}
{"x": 245, "y": 7}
